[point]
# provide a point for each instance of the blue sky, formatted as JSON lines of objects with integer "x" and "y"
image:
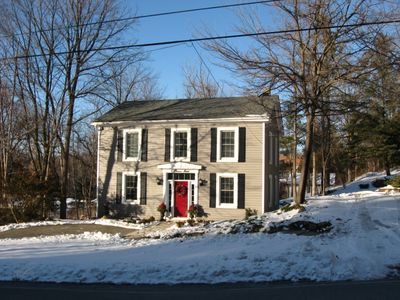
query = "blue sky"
{"x": 168, "y": 63}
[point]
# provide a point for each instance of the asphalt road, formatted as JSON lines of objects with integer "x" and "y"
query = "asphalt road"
{"x": 382, "y": 289}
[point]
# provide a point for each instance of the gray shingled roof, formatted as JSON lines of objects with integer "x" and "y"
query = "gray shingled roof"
{"x": 189, "y": 109}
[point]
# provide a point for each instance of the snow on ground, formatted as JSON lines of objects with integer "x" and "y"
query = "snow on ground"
{"x": 364, "y": 243}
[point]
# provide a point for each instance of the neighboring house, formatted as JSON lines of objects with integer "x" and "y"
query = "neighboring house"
{"x": 221, "y": 153}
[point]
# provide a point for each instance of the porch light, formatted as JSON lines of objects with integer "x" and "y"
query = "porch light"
{"x": 159, "y": 180}
{"x": 203, "y": 182}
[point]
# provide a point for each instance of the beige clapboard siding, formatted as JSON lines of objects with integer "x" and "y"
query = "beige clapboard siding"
{"x": 156, "y": 139}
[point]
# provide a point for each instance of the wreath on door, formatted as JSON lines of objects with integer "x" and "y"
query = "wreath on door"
{"x": 181, "y": 190}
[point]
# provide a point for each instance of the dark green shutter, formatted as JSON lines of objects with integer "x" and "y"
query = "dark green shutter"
{"x": 118, "y": 194}
{"x": 213, "y": 154}
{"x": 167, "y": 153}
{"x": 241, "y": 190}
{"x": 242, "y": 144}
{"x": 193, "y": 144}
{"x": 144, "y": 145}
{"x": 143, "y": 188}
{"x": 213, "y": 189}
{"x": 120, "y": 144}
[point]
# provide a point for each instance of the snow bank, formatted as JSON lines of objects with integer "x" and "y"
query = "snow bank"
{"x": 363, "y": 244}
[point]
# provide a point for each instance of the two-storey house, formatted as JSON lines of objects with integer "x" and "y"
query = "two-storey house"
{"x": 221, "y": 153}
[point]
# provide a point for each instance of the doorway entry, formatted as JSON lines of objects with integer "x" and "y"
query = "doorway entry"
{"x": 181, "y": 198}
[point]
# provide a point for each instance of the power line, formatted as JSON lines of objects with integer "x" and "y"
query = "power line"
{"x": 208, "y": 69}
{"x": 167, "y": 13}
{"x": 187, "y": 11}
{"x": 211, "y": 38}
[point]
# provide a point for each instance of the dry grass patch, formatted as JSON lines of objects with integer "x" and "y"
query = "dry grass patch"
{"x": 63, "y": 229}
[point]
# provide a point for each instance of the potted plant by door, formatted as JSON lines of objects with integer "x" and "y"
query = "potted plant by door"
{"x": 195, "y": 210}
{"x": 162, "y": 208}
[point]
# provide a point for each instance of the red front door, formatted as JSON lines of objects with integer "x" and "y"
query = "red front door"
{"x": 181, "y": 198}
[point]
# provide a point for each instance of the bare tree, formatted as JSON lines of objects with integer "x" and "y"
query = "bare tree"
{"x": 63, "y": 62}
{"x": 11, "y": 129}
{"x": 314, "y": 56}
{"x": 198, "y": 83}
{"x": 134, "y": 82}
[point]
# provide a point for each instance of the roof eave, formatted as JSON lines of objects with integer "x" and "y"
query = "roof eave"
{"x": 248, "y": 118}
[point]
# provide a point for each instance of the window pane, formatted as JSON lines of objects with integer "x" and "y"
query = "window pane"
{"x": 227, "y": 144}
{"x": 132, "y": 144}
{"x": 192, "y": 188}
{"x": 131, "y": 187}
{"x": 180, "y": 144}
{"x": 181, "y": 176}
{"x": 226, "y": 189}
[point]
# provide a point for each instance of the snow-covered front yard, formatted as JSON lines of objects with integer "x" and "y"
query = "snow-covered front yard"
{"x": 364, "y": 243}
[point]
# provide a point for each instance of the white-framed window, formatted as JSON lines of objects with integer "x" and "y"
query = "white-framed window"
{"x": 227, "y": 144}
{"x": 180, "y": 144}
{"x": 271, "y": 190}
{"x": 132, "y": 144}
{"x": 227, "y": 190}
{"x": 276, "y": 151}
{"x": 131, "y": 187}
{"x": 271, "y": 148}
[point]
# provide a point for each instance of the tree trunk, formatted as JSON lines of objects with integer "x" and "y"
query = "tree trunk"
{"x": 387, "y": 167}
{"x": 349, "y": 175}
{"x": 314, "y": 175}
{"x": 294, "y": 176}
{"x": 306, "y": 159}
{"x": 66, "y": 156}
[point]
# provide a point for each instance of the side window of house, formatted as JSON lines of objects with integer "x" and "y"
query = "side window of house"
{"x": 276, "y": 151}
{"x": 271, "y": 148}
{"x": 132, "y": 138}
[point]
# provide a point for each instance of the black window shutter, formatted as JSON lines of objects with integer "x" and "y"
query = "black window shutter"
{"x": 167, "y": 153}
{"x": 118, "y": 194}
{"x": 143, "y": 188}
{"x": 144, "y": 144}
{"x": 120, "y": 144}
{"x": 241, "y": 190}
{"x": 242, "y": 144}
{"x": 213, "y": 189}
{"x": 193, "y": 144}
{"x": 213, "y": 155}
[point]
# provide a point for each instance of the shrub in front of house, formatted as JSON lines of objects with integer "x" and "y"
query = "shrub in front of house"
{"x": 395, "y": 182}
{"x": 378, "y": 183}
{"x": 162, "y": 208}
{"x": 250, "y": 212}
{"x": 196, "y": 210}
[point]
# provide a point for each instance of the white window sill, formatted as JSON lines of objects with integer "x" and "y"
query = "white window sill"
{"x": 131, "y": 202}
{"x": 186, "y": 159}
{"x": 228, "y": 159}
{"x": 130, "y": 159}
{"x": 225, "y": 205}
